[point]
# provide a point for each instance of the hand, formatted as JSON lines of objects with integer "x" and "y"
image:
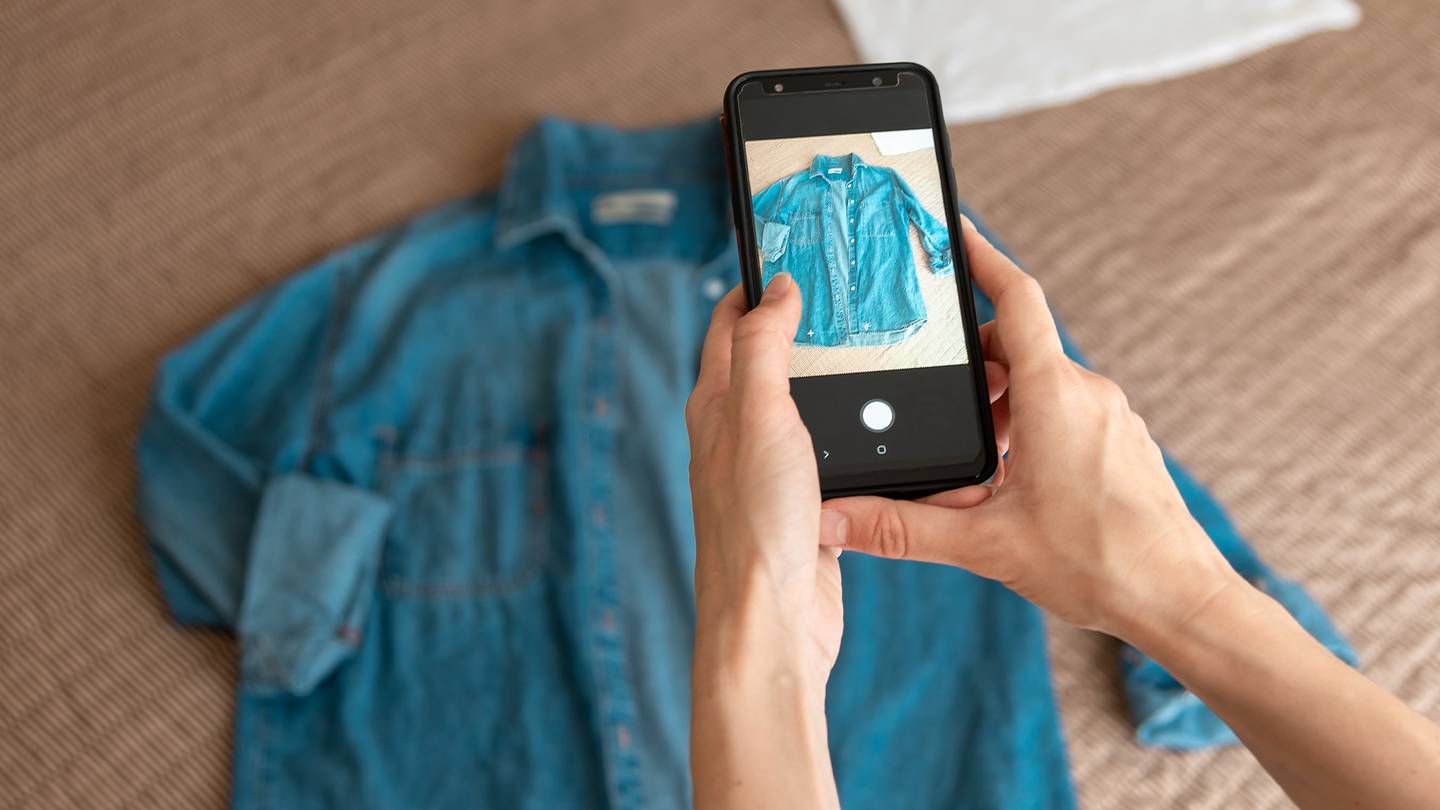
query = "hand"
{"x": 1082, "y": 518}
{"x": 758, "y": 563}
{"x": 768, "y": 615}
{"x": 768, "y": 609}
{"x": 756, "y": 489}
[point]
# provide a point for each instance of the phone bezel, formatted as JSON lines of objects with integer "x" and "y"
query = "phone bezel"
{"x": 892, "y": 483}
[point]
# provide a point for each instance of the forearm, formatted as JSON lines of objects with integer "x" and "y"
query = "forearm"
{"x": 758, "y": 734}
{"x": 1328, "y": 736}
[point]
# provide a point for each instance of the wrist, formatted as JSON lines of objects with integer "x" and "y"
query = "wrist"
{"x": 1194, "y": 613}
{"x": 1224, "y": 635}
{"x": 758, "y": 731}
{"x": 743, "y": 643}
{"x": 1168, "y": 600}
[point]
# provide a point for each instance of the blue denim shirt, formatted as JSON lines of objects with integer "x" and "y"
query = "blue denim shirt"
{"x": 841, "y": 228}
{"x": 436, "y": 486}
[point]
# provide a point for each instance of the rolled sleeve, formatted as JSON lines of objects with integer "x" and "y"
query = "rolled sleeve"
{"x": 310, "y": 581}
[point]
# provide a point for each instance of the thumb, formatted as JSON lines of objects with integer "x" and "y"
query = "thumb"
{"x": 912, "y": 530}
{"x": 760, "y": 346}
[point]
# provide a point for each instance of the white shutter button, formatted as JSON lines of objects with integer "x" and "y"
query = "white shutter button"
{"x": 877, "y": 416}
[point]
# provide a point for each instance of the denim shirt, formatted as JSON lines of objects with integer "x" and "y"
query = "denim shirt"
{"x": 841, "y": 228}
{"x": 436, "y": 486}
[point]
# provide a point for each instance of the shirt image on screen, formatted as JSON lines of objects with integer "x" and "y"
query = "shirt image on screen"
{"x": 858, "y": 221}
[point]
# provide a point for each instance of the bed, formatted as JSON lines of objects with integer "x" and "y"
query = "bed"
{"x": 1252, "y": 252}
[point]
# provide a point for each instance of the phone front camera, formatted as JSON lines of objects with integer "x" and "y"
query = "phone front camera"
{"x": 779, "y": 87}
{"x": 875, "y": 81}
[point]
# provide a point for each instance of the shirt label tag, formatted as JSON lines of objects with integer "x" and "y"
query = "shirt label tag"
{"x": 648, "y": 206}
{"x": 835, "y": 170}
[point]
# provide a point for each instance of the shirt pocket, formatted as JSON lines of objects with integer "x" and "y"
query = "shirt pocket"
{"x": 466, "y": 525}
{"x": 805, "y": 230}
{"x": 877, "y": 223}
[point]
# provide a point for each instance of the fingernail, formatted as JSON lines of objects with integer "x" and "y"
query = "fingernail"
{"x": 777, "y": 288}
{"x": 834, "y": 526}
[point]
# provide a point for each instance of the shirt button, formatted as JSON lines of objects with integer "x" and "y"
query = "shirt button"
{"x": 852, "y": 288}
{"x": 622, "y": 737}
{"x": 713, "y": 288}
{"x": 601, "y": 407}
{"x": 865, "y": 326}
{"x": 598, "y": 515}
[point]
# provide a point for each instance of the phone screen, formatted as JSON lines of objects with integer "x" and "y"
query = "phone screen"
{"x": 850, "y": 196}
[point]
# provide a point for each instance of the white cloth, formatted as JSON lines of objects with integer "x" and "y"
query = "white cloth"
{"x": 995, "y": 57}
{"x": 900, "y": 141}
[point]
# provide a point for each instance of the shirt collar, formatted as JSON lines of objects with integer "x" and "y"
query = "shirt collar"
{"x": 557, "y": 157}
{"x": 848, "y": 165}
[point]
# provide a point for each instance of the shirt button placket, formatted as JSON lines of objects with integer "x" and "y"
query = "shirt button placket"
{"x": 607, "y": 628}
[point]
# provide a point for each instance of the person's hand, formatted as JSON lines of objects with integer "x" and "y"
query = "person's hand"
{"x": 1082, "y": 519}
{"x": 759, "y": 568}
{"x": 768, "y": 615}
{"x": 756, "y": 489}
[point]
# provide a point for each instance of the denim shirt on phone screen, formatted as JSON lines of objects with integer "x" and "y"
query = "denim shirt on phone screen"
{"x": 841, "y": 228}
{"x": 436, "y": 486}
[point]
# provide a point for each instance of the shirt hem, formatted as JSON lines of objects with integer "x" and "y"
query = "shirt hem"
{"x": 869, "y": 338}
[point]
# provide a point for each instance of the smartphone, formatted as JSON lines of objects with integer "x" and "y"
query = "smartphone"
{"x": 841, "y": 177}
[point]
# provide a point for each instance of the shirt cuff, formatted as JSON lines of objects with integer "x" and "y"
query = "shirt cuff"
{"x": 773, "y": 237}
{"x": 310, "y": 581}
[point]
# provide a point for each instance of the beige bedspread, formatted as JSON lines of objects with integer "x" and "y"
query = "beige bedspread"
{"x": 1254, "y": 253}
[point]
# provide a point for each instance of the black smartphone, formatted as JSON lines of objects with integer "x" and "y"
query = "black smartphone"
{"x": 841, "y": 177}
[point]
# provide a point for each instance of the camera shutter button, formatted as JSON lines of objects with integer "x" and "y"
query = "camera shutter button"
{"x": 877, "y": 416}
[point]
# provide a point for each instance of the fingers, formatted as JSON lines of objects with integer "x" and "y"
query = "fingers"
{"x": 914, "y": 530}
{"x": 760, "y": 346}
{"x": 834, "y": 528}
{"x": 962, "y": 498}
{"x": 1000, "y": 420}
{"x": 715, "y": 353}
{"x": 1023, "y": 321}
{"x": 997, "y": 380}
{"x": 990, "y": 346}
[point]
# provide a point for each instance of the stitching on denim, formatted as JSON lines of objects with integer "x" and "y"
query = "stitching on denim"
{"x": 538, "y": 552}
{"x": 801, "y": 235}
{"x": 508, "y": 454}
{"x": 888, "y": 337}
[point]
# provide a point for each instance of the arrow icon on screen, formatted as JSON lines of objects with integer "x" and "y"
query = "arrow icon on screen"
{"x": 824, "y": 454}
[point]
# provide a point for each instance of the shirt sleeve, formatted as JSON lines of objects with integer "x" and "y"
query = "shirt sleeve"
{"x": 771, "y": 234}
{"x": 244, "y": 537}
{"x": 934, "y": 233}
